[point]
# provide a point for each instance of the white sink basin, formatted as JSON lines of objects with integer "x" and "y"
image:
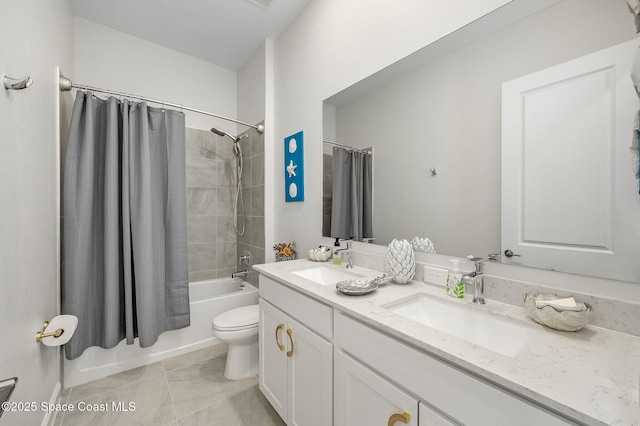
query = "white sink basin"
{"x": 501, "y": 335}
{"x": 327, "y": 275}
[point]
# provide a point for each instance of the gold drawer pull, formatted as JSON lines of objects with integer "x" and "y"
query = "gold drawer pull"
{"x": 278, "y": 328}
{"x": 404, "y": 418}
{"x": 290, "y": 333}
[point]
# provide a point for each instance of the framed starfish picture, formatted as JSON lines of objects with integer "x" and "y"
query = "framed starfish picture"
{"x": 294, "y": 167}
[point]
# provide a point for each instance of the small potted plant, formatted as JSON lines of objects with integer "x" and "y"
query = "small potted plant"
{"x": 285, "y": 251}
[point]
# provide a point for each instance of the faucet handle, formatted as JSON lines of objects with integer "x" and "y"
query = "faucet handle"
{"x": 479, "y": 261}
{"x": 348, "y": 241}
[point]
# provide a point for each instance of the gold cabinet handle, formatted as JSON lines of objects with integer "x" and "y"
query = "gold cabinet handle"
{"x": 404, "y": 418}
{"x": 290, "y": 333}
{"x": 278, "y": 328}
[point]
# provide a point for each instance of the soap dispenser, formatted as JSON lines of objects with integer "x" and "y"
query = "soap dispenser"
{"x": 455, "y": 286}
{"x": 337, "y": 258}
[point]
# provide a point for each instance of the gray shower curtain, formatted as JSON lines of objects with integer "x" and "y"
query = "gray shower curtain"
{"x": 351, "y": 206}
{"x": 125, "y": 232}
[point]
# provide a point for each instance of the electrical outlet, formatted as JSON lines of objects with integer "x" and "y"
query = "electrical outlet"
{"x": 435, "y": 275}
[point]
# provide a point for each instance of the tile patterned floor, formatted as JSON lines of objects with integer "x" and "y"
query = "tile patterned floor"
{"x": 185, "y": 390}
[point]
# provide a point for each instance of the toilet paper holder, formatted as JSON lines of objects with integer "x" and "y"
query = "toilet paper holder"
{"x": 41, "y": 334}
{"x": 58, "y": 330}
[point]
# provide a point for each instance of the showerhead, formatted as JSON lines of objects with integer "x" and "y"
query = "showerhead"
{"x": 223, "y": 133}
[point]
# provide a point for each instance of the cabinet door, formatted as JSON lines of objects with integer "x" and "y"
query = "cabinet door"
{"x": 273, "y": 361}
{"x": 310, "y": 377}
{"x": 429, "y": 417}
{"x": 366, "y": 399}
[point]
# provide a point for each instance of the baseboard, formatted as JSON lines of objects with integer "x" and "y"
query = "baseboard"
{"x": 50, "y": 416}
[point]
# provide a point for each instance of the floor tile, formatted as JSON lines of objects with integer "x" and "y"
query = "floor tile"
{"x": 151, "y": 406}
{"x": 253, "y": 409}
{"x": 115, "y": 381}
{"x": 247, "y": 408}
{"x": 194, "y": 357}
{"x": 152, "y": 403}
{"x": 80, "y": 416}
{"x": 190, "y": 387}
{"x": 200, "y": 385}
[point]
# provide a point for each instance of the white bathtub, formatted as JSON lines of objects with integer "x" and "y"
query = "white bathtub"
{"x": 208, "y": 299}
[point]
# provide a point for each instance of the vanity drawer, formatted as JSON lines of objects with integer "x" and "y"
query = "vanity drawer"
{"x": 461, "y": 396}
{"x": 315, "y": 315}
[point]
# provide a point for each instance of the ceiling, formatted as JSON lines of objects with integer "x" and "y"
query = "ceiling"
{"x": 222, "y": 32}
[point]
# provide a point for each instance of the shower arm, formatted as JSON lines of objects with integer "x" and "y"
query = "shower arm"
{"x": 66, "y": 85}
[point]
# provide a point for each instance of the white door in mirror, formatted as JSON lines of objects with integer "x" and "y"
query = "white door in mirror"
{"x": 568, "y": 197}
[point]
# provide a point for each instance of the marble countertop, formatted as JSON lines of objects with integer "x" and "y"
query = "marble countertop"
{"x": 591, "y": 375}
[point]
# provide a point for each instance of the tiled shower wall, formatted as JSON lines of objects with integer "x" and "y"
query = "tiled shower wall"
{"x": 210, "y": 181}
{"x": 213, "y": 245}
{"x": 253, "y": 194}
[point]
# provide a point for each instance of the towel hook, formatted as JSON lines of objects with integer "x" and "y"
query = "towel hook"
{"x": 433, "y": 172}
{"x": 11, "y": 83}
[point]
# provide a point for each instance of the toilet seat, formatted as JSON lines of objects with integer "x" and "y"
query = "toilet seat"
{"x": 238, "y": 319}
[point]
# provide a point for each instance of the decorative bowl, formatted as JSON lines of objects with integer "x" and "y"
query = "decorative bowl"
{"x": 319, "y": 254}
{"x": 563, "y": 319}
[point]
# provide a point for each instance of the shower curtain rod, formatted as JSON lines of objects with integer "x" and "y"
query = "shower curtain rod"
{"x": 66, "y": 85}
{"x": 346, "y": 146}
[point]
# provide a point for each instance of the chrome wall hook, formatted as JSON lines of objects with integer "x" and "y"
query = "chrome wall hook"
{"x": 433, "y": 172}
{"x": 11, "y": 83}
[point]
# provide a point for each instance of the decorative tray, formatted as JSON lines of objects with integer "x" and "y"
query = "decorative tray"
{"x": 361, "y": 286}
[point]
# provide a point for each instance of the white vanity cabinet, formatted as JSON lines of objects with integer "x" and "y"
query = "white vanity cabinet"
{"x": 460, "y": 396}
{"x": 429, "y": 417}
{"x": 364, "y": 398}
{"x": 296, "y": 355}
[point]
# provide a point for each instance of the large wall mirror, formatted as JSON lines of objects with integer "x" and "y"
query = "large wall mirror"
{"x": 435, "y": 123}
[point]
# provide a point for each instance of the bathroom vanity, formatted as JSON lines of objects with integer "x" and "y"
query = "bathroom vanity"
{"x": 328, "y": 358}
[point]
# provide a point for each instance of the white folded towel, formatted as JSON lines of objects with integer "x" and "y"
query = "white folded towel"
{"x": 568, "y": 302}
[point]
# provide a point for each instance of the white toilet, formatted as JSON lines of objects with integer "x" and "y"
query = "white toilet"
{"x": 239, "y": 328}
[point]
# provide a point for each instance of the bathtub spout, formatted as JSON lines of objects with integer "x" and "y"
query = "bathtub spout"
{"x": 240, "y": 274}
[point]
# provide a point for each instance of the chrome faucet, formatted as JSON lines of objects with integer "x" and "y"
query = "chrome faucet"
{"x": 347, "y": 252}
{"x": 476, "y": 279}
{"x": 244, "y": 264}
{"x": 238, "y": 274}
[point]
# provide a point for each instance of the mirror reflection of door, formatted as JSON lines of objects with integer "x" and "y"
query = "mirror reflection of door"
{"x": 567, "y": 180}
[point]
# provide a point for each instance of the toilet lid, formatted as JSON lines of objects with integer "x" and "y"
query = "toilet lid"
{"x": 243, "y": 317}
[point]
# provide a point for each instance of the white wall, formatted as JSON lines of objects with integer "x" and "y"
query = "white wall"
{"x": 36, "y": 37}
{"x": 252, "y": 88}
{"x": 110, "y": 59}
{"x": 332, "y": 45}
